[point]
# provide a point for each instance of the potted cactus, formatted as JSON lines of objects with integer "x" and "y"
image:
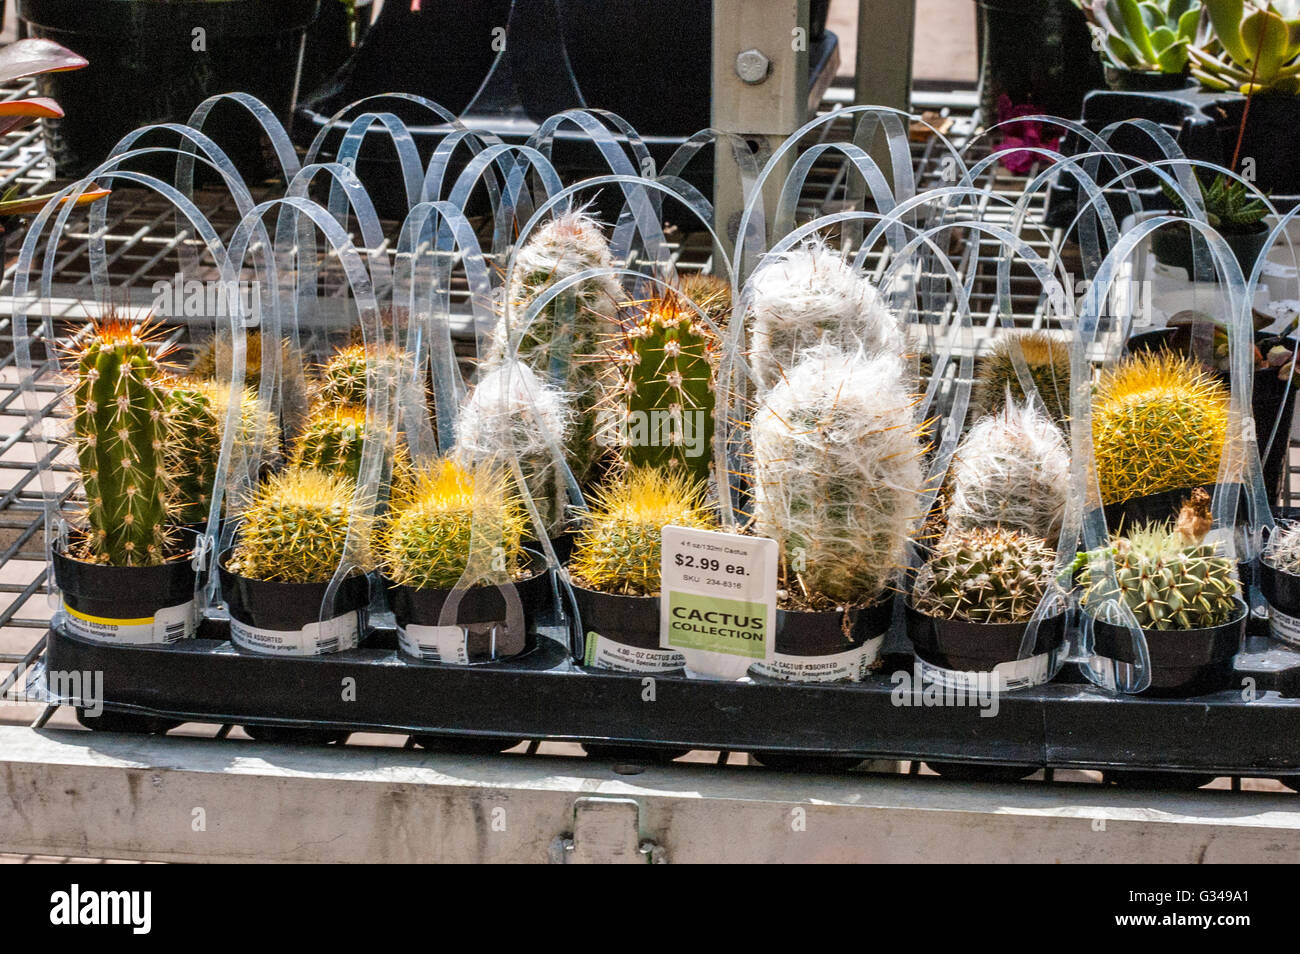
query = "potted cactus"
{"x": 292, "y": 539}
{"x": 837, "y": 483}
{"x": 125, "y": 575}
{"x": 291, "y": 384}
{"x": 1182, "y": 591}
{"x": 453, "y": 521}
{"x": 974, "y": 599}
{"x": 615, "y": 566}
{"x": 1231, "y": 208}
{"x": 1046, "y": 357}
{"x": 1158, "y": 427}
{"x": 1279, "y": 581}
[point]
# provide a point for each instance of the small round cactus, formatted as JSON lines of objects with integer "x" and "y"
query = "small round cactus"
{"x": 295, "y": 528}
{"x": 343, "y": 379}
{"x": 215, "y": 354}
{"x": 711, "y": 294}
{"x": 1158, "y": 423}
{"x": 1011, "y": 470}
{"x": 985, "y": 575}
{"x": 1282, "y": 552}
{"x": 453, "y": 517}
{"x": 1046, "y": 357}
{"x": 618, "y": 549}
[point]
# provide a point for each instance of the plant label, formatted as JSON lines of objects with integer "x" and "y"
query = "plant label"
{"x": 718, "y": 604}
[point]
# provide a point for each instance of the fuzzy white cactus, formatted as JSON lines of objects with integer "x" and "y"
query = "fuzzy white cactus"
{"x": 808, "y": 294}
{"x": 1012, "y": 470}
{"x": 838, "y": 473}
{"x": 511, "y": 407}
{"x": 567, "y": 353}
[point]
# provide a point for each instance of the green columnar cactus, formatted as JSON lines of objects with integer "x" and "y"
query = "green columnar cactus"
{"x": 119, "y": 429}
{"x": 1048, "y": 361}
{"x": 663, "y": 400}
{"x": 985, "y": 575}
{"x": 567, "y": 351}
{"x": 838, "y": 474}
{"x": 295, "y": 528}
{"x": 450, "y": 518}
{"x": 1167, "y": 576}
{"x": 618, "y": 548}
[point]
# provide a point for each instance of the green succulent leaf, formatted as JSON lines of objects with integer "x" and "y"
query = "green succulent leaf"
{"x": 1187, "y": 22}
{"x": 1130, "y": 14}
{"x": 1122, "y": 53}
{"x": 1225, "y": 18}
{"x": 1267, "y": 33}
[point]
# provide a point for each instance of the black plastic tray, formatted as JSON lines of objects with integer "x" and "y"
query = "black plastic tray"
{"x": 543, "y": 695}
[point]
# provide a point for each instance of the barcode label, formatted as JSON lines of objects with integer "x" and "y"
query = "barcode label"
{"x": 314, "y": 639}
{"x": 167, "y": 625}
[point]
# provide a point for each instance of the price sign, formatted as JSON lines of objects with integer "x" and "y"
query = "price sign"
{"x": 718, "y": 604}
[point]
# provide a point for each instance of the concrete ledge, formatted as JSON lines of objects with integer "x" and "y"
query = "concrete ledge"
{"x": 178, "y": 799}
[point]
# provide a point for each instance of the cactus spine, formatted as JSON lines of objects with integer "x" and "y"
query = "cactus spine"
{"x": 1012, "y": 470}
{"x": 1166, "y": 575}
{"x": 295, "y": 528}
{"x": 1047, "y": 358}
{"x": 120, "y": 430}
{"x": 453, "y": 517}
{"x": 1282, "y": 552}
{"x": 809, "y": 294}
{"x": 618, "y": 548}
{"x": 332, "y": 440}
{"x": 710, "y": 293}
{"x": 985, "y": 575}
{"x": 663, "y": 398}
{"x": 1158, "y": 423}
{"x": 344, "y": 378}
{"x": 838, "y": 474}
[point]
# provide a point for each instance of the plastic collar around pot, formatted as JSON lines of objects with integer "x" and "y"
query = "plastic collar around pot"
{"x": 840, "y": 645}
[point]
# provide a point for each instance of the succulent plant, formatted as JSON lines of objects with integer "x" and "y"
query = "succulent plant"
{"x": 513, "y": 408}
{"x": 1047, "y": 358}
{"x": 1249, "y": 47}
{"x": 1158, "y": 423}
{"x": 566, "y": 341}
{"x": 295, "y": 528}
{"x": 1282, "y": 552}
{"x": 453, "y": 517}
{"x": 334, "y": 438}
{"x": 1230, "y": 206}
{"x": 838, "y": 474}
{"x": 119, "y": 430}
{"x": 1145, "y": 35}
{"x": 618, "y": 548}
{"x": 661, "y": 403}
{"x": 1011, "y": 470}
{"x": 808, "y": 294}
{"x": 1165, "y": 574}
{"x": 985, "y": 575}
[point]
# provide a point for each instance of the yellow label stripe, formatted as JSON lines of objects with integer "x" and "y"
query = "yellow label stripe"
{"x": 142, "y": 621}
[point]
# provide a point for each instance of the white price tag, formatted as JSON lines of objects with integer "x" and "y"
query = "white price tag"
{"x": 718, "y": 603}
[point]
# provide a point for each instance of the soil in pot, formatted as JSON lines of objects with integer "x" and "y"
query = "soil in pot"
{"x": 1184, "y": 662}
{"x": 962, "y": 647}
{"x": 284, "y": 618}
{"x": 484, "y": 630}
{"x": 828, "y": 646}
{"x": 622, "y": 633}
{"x": 127, "y": 605}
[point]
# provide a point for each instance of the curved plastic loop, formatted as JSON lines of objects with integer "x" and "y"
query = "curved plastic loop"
{"x": 285, "y": 154}
{"x": 39, "y": 425}
{"x": 376, "y": 455}
{"x": 1085, "y": 519}
{"x": 435, "y": 173}
{"x": 507, "y": 207}
{"x": 408, "y": 157}
{"x": 433, "y": 237}
{"x": 877, "y": 187}
{"x": 443, "y": 114}
{"x": 746, "y": 165}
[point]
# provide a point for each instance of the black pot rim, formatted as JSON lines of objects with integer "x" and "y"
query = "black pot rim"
{"x": 1237, "y": 618}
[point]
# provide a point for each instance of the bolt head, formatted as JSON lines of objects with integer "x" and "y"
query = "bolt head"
{"x": 752, "y": 66}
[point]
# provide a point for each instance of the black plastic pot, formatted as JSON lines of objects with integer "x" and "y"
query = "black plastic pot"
{"x": 1173, "y": 246}
{"x": 976, "y": 647}
{"x": 1184, "y": 662}
{"x": 1282, "y": 590}
{"x": 630, "y": 622}
{"x": 102, "y": 599}
{"x": 482, "y": 613}
{"x": 1149, "y": 508}
{"x": 803, "y": 636}
{"x": 144, "y": 69}
{"x": 1271, "y": 401}
{"x": 1143, "y": 81}
{"x": 272, "y": 607}
{"x": 1035, "y": 52}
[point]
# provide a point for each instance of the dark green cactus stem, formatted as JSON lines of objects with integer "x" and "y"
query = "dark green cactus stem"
{"x": 667, "y": 392}
{"x": 193, "y": 448}
{"x": 120, "y": 426}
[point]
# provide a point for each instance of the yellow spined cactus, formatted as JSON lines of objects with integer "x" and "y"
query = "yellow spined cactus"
{"x": 1158, "y": 423}
{"x": 617, "y": 551}
{"x": 450, "y": 517}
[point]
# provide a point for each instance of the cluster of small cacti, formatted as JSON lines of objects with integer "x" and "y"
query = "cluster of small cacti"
{"x": 1047, "y": 359}
{"x": 838, "y": 474}
{"x": 1011, "y": 470}
{"x": 1158, "y": 423}
{"x": 985, "y": 575}
{"x": 661, "y": 402}
{"x": 618, "y": 548}
{"x": 1167, "y": 575}
{"x": 1282, "y": 552}
{"x": 295, "y": 528}
{"x": 810, "y": 294}
{"x": 453, "y": 517}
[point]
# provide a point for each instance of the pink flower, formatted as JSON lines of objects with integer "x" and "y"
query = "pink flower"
{"x": 1026, "y": 135}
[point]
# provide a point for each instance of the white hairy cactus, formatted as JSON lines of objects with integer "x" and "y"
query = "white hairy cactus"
{"x": 569, "y": 244}
{"x": 1012, "y": 470}
{"x": 838, "y": 473}
{"x": 808, "y": 294}
{"x": 513, "y": 408}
